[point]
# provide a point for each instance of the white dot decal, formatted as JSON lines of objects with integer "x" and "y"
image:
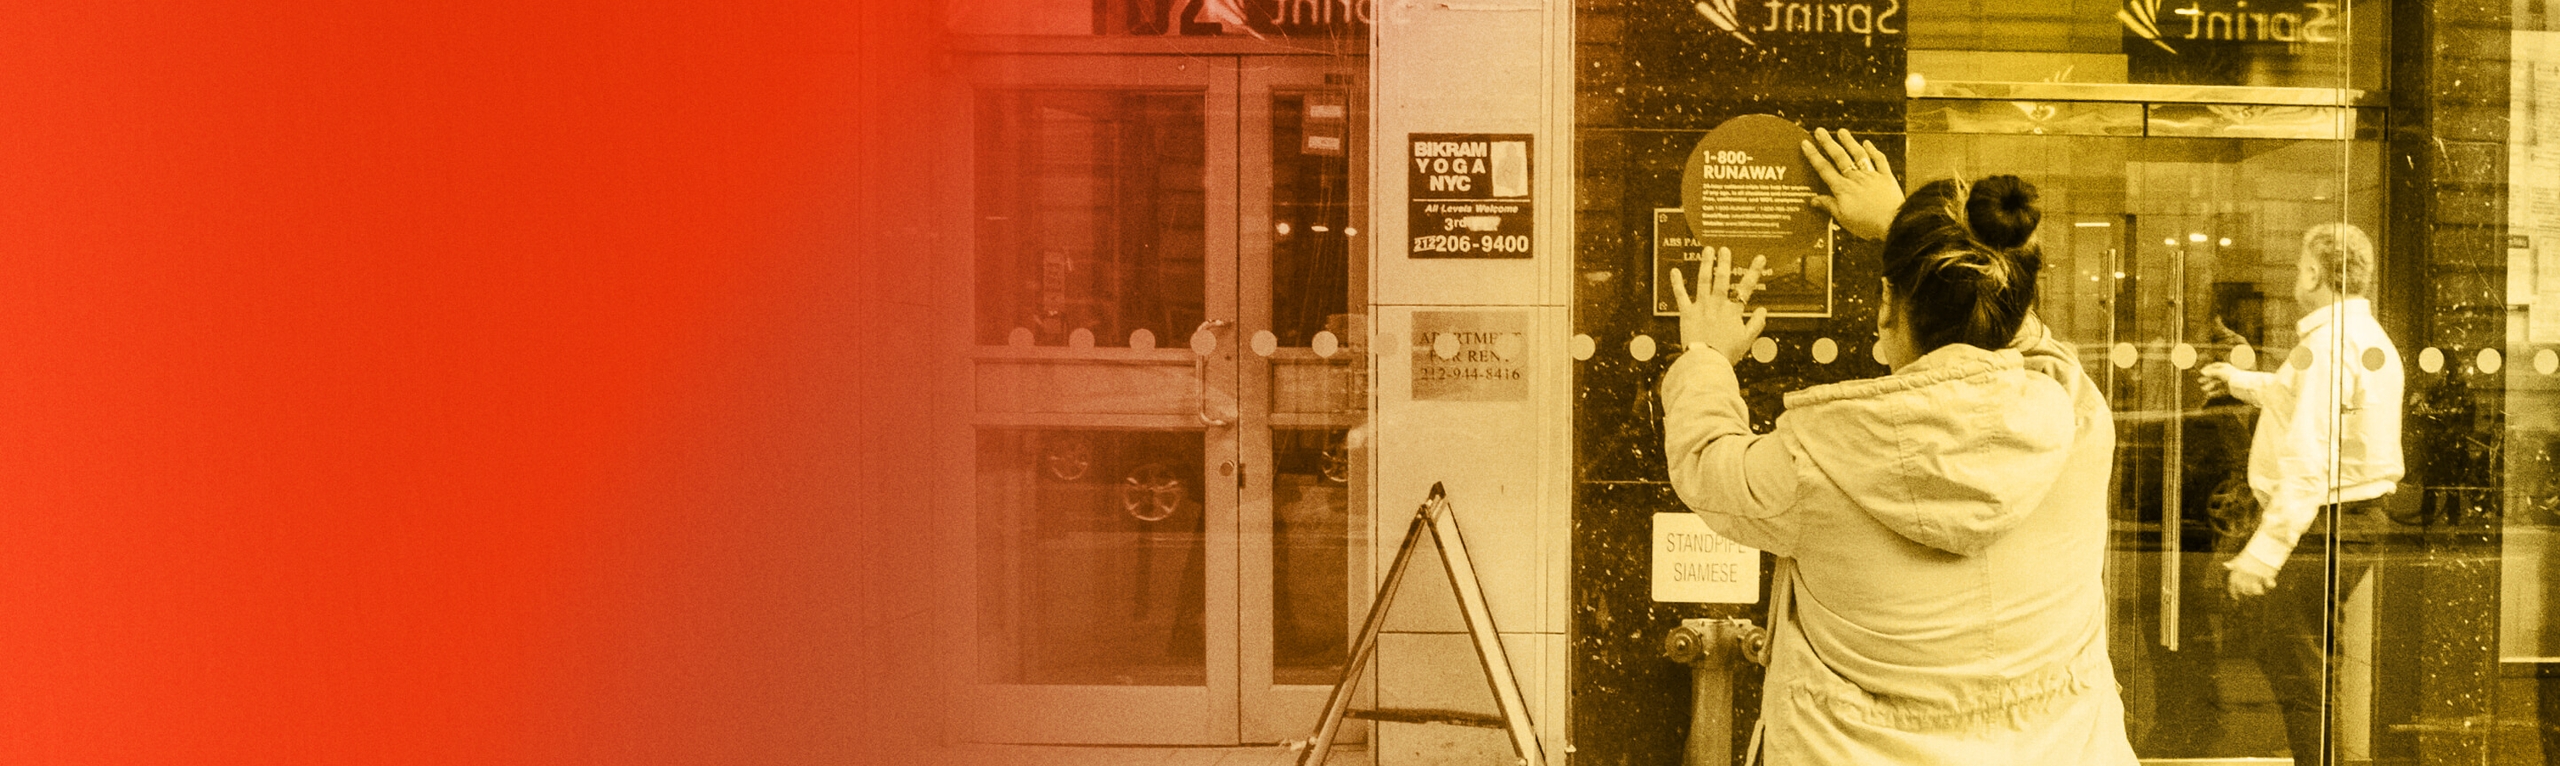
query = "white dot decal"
{"x": 1142, "y": 339}
{"x": 2372, "y": 359}
{"x": 2546, "y": 362}
{"x": 1081, "y": 338}
{"x": 1582, "y": 346}
{"x": 1444, "y": 345}
{"x": 2124, "y": 355}
{"x": 1763, "y": 350}
{"x": 1325, "y": 345}
{"x": 1204, "y": 342}
{"x": 1641, "y": 348}
{"x": 1507, "y": 346}
{"x": 1019, "y": 338}
{"x": 2431, "y": 360}
{"x": 1825, "y": 350}
{"x": 2490, "y": 360}
{"x": 2182, "y": 355}
{"x": 2244, "y": 357}
{"x": 1264, "y": 343}
{"x": 2299, "y": 358}
{"x": 1876, "y": 351}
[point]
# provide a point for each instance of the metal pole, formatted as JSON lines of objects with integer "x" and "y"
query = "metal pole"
{"x": 1489, "y": 652}
{"x": 1367, "y": 643}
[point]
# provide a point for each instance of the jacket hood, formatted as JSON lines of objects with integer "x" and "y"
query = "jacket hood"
{"x": 1955, "y": 449}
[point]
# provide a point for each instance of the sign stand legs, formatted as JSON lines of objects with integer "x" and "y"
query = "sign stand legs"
{"x": 1442, "y": 523}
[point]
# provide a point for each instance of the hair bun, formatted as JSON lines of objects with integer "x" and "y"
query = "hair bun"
{"x": 2002, "y": 211}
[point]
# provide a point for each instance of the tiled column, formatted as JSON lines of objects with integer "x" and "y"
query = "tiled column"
{"x": 1472, "y": 67}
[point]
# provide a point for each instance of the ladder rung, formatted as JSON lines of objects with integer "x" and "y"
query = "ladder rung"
{"x": 1454, "y": 717}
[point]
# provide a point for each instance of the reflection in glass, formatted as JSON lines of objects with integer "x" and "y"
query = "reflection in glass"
{"x": 1091, "y": 214}
{"x": 2154, "y": 243}
{"x": 1310, "y": 555}
{"x": 2060, "y": 118}
{"x": 1090, "y": 557}
{"x": 2188, "y": 42}
{"x": 1311, "y": 222}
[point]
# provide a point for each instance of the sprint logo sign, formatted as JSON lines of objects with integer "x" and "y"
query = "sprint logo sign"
{"x": 1863, "y": 19}
{"x": 2236, "y": 22}
{"x": 2142, "y": 18}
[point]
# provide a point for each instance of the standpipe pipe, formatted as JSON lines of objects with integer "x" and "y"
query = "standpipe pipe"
{"x": 1711, "y": 648}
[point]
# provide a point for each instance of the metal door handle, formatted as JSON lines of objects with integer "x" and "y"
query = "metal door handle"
{"x": 1200, "y": 367}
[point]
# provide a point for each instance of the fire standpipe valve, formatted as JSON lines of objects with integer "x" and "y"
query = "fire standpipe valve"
{"x": 1712, "y": 648}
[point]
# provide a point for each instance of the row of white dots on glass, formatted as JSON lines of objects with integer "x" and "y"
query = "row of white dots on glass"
{"x": 2122, "y": 355}
{"x": 2430, "y": 359}
{"x": 1644, "y": 348}
{"x": 1823, "y": 350}
{"x": 1204, "y": 341}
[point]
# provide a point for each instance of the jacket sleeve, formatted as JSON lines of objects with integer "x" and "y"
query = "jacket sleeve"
{"x": 2306, "y": 458}
{"x": 1742, "y": 484}
{"x": 2250, "y": 386}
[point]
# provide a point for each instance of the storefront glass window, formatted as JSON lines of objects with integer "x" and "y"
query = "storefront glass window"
{"x": 1090, "y": 216}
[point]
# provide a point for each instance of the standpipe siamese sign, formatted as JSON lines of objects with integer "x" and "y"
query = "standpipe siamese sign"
{"x": 1694, "y": 565}
{"x": 1470, "y": 195}
{"x": 1748, "y": 188}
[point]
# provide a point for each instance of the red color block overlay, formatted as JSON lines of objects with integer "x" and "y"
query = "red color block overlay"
{"x": 493, "y": 382}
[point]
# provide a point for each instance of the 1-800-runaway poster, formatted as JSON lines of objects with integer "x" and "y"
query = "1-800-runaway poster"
{"x": 1748, "y": 188}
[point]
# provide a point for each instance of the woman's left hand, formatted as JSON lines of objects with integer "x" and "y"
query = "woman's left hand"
{"x": 1713, "y": 319}
{"x": 1863, "y": 195}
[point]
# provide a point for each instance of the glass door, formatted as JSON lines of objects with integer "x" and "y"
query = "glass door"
{"x": 1166, "y": 372}
{"x": 1100, "y": 450}
{"x": 2165, "y": 254}
{"x": 1304, "y": 290}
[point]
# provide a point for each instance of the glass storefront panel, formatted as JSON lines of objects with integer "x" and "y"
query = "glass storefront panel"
{"x": 1312, "y": 228}
{"x": 2164, "y": 255}
{"x": 1168, "y": 363}
{"x": 1090, "y": 555}
{"x": 2518, "y": 461}
{"x": 2182, "y": 152}
{"x": 1311, "y": 587}
{"x": 2247, "y": 43}
{"x": 1091, "y": 216}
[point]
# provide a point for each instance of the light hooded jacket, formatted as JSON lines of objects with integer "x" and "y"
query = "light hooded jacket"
{"x": 1947, "y": 526}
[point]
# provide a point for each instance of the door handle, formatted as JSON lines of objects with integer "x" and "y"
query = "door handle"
{"x": 1204, "y": 341}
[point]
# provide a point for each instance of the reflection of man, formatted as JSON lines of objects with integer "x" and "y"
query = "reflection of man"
{"x": 2327, "y": 445}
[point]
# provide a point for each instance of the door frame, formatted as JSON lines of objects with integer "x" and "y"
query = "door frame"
{"x": 1271, "y": 711}
{"x": 1240, "y": 701}
{"x": 992, "y": 379}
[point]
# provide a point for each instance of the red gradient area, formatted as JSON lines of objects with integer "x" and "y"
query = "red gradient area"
{"x": 455, "y": 383}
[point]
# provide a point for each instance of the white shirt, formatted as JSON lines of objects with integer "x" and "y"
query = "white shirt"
{"x": 2328, "y": 432}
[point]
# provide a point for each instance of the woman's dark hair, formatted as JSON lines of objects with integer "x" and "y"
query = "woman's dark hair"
{"x": 1962, "y": 259}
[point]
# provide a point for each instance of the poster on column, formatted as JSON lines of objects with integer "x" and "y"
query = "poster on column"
{"x": 1470, "y": 195}
{"x": 1748, "y": 188}
{"x": 1470, "y": 356}
{"x": 1694, "y": 565}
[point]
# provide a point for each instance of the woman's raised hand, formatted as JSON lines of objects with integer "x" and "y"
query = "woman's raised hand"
{"x": 1863, "y": 194}
{"x": 1713, "y": 319}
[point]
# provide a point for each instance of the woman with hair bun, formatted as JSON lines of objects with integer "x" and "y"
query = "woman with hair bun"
{"x": 1941, "y": 529}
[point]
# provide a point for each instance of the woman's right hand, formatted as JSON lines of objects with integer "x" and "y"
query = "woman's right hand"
{"x": 1864, "y": 195}
{"x": 1713, "y": 319}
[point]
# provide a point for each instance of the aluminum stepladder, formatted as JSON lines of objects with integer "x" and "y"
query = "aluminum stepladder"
{"x": 1436, "y": 517}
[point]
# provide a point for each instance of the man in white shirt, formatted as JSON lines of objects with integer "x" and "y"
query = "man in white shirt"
{"x": 2327, "y": 449}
